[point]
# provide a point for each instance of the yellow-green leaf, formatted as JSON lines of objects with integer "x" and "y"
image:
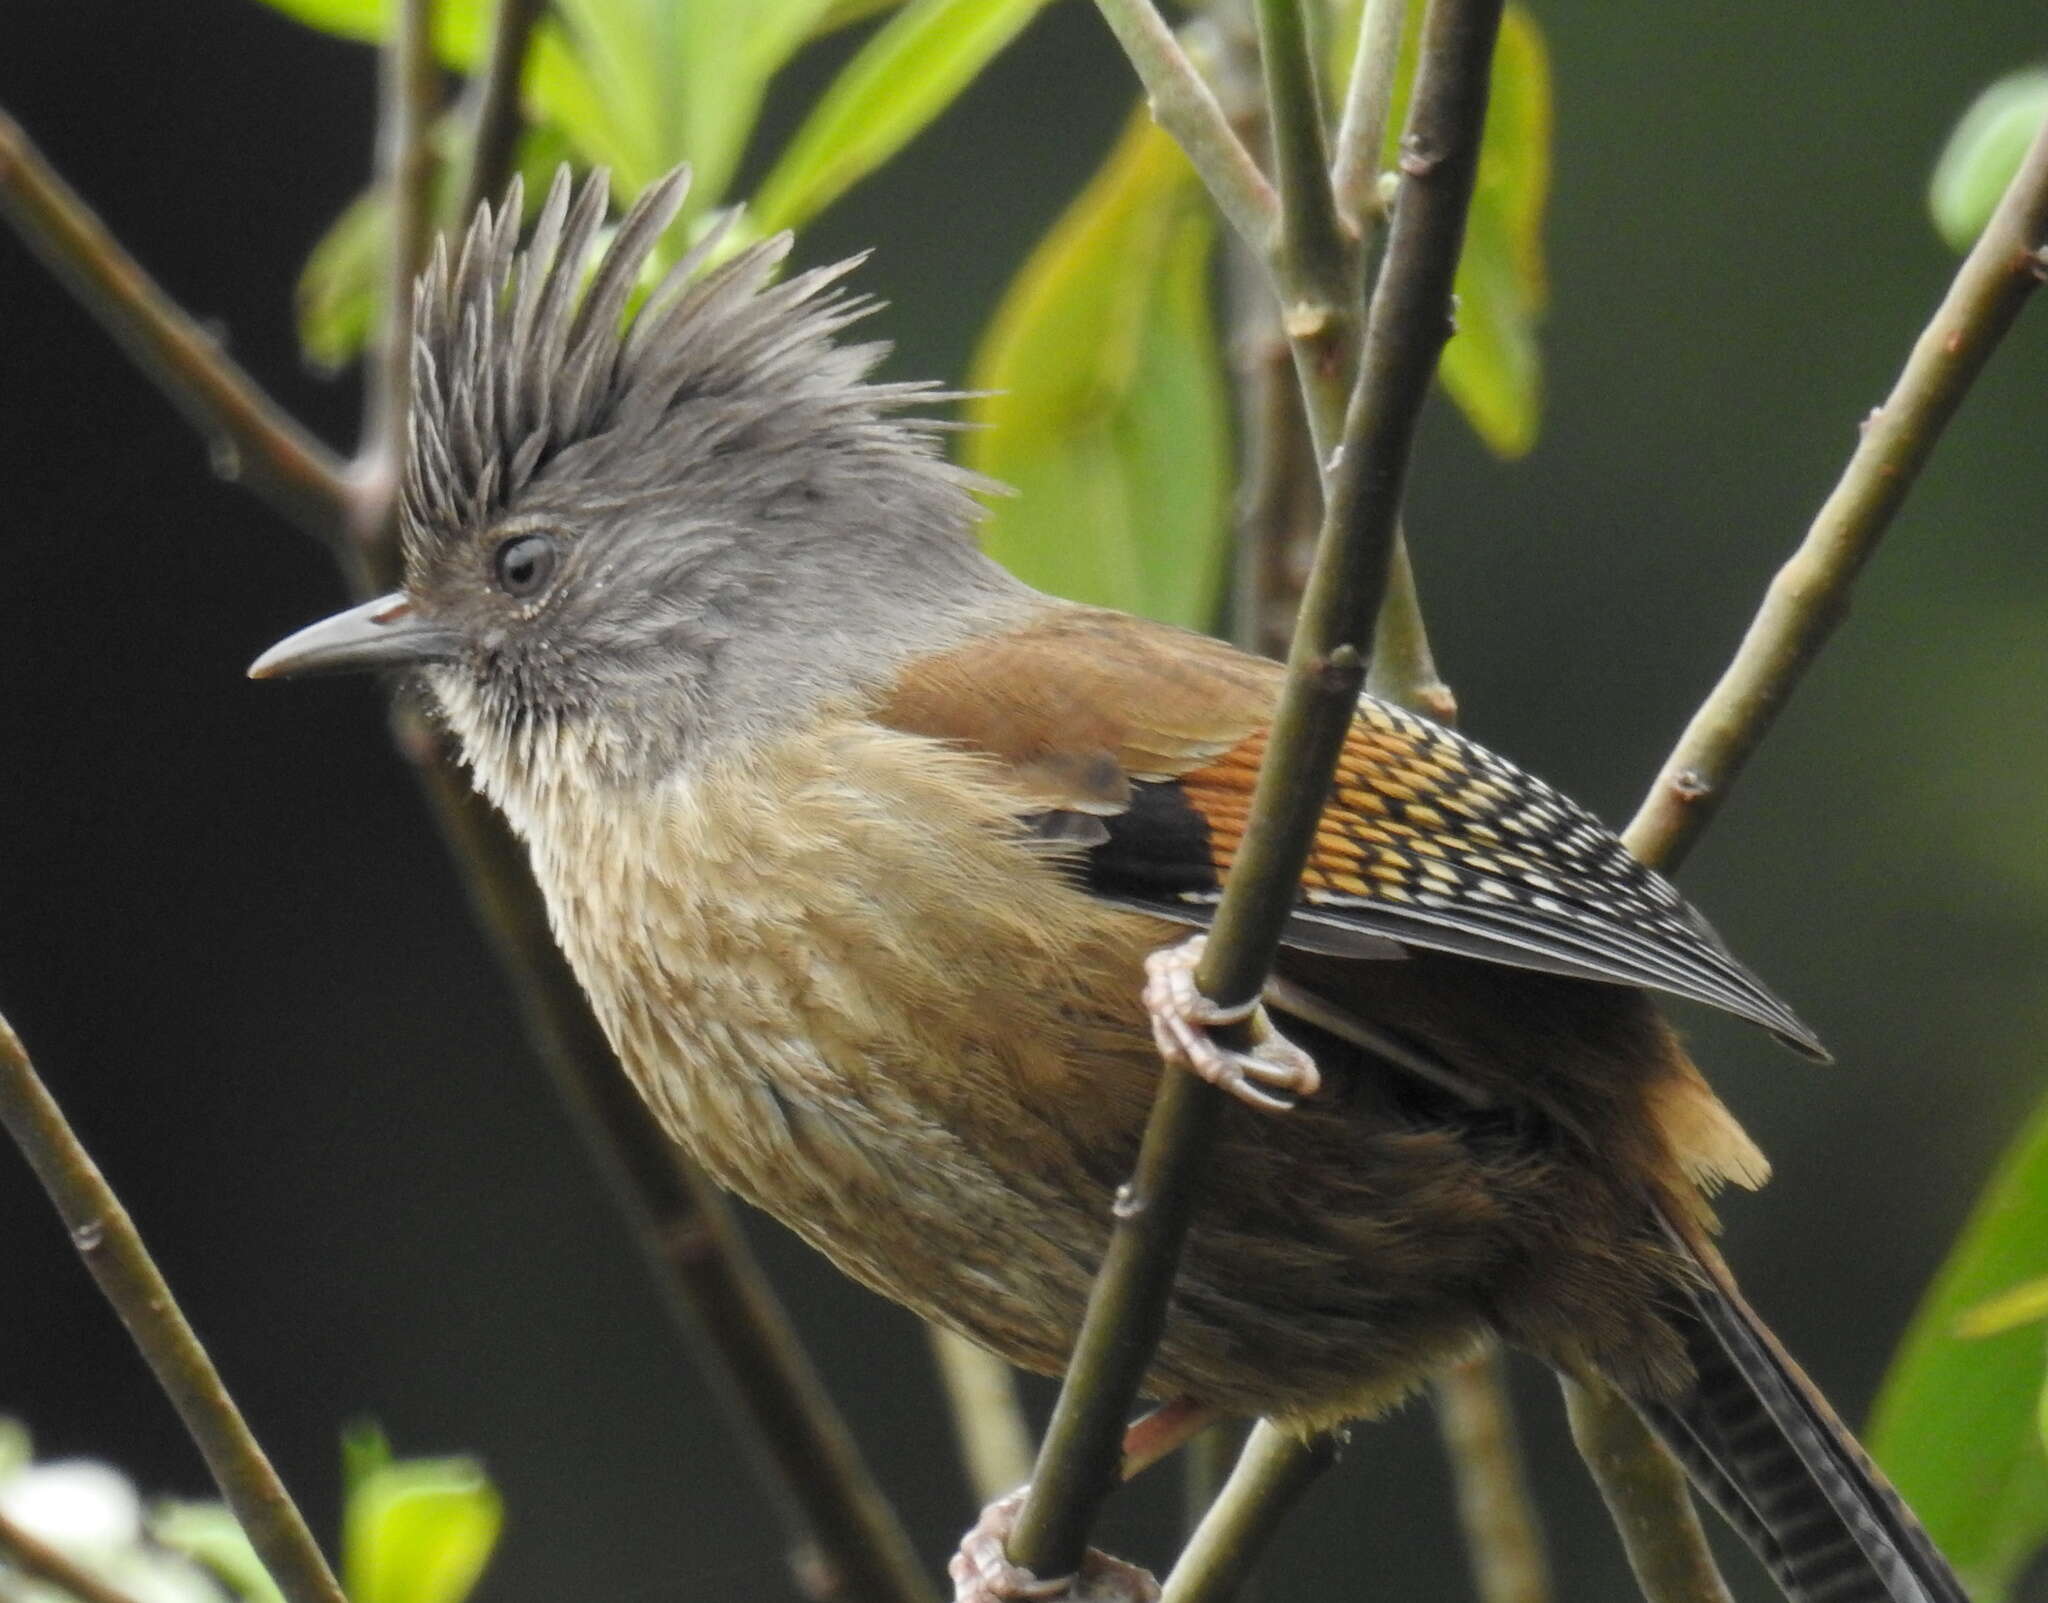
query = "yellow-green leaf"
{"x": 1983, "y": 154}
{"x": 419, "y": 1531}
{"x": 1956, "y": 1423}
{"x": 1107, "y": 412}
{"x": 660, "y": 83}
{"x": 1493, "y": 367}
{"x": 902, "y": 78}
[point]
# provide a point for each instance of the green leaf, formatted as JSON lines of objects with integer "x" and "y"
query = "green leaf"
{"x": 1956, "y": 1422}
{"x": 645, "y": 84}
{"x": 902, "y": 78}
{"x": 1493, "y": 367}
{"x": 1983, "y": 154}
{"x": 1108, "y": 413}
{"x": 417, "y": 1530}
{"x": 210, "y": 1536}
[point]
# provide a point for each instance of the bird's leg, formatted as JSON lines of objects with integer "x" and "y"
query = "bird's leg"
{"x": 982, "y": 1571}
{"x": 1272, "y": 1076}
{"x": 1167, "y": 1429}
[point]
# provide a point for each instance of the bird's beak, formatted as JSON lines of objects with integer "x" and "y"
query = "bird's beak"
{"x": 386, "y": 633}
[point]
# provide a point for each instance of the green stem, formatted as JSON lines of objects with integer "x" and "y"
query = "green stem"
{"x": 1406, "y": 330}
{"x": 1272, "y": 1473}
{"x": 1368, "y": 102}
{"x": 1186, "y": 107}
{"x": 1646, "y": 1496}
{"x": 1503, "y": 1539}
{"x": 409, "y": 87}
{"x": 988, "y": 1416}
{"x": 496, "y": 133}
{"x": 253, "y": 439}
{"x": 106, "y": 1238}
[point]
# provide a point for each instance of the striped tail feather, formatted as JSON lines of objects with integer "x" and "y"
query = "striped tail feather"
{"x": 1763, "y": 1446}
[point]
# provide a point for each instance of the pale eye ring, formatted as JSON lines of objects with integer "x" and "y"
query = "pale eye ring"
{"x": 524, "y": 565}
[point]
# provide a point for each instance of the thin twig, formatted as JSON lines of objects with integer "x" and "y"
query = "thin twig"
{"x": 988, "y": 1417}
{"x": 409, "y": 88}
{"x": 1809, "y": 595}
{"x": 790, "y": 1428}
{"x": 1406, "y": 330}
{"x": 1206, "y": 1463}
{"x": 106, "y": 1238}
{"x": 254, "y": 440}
{"x": 1314, "y": 264}
{"x": 1503, "y": 1539}
{"x": 1368, "y": 101}
{"x": 1646, "y": 1496}
{"x": 1804, "y": 603}
{"x": 1186, "y": 107}
{"x": 1272, "y": 1473}
{"x": 22, "y": 1552}
{"x": 495, "y": 136}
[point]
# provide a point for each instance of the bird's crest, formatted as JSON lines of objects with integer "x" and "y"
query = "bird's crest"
{"x": 514, "y": 371}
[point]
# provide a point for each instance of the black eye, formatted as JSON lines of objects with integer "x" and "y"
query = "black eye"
{"x": 524, "y": 564}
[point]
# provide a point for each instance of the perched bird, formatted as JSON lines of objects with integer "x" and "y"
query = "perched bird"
{"x": 862, "y": 850}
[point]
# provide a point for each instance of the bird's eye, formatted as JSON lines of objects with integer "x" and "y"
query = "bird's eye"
{"x": 524, "y": 564}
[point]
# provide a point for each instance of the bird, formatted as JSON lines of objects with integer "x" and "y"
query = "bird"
{"x": 886, "y": 876}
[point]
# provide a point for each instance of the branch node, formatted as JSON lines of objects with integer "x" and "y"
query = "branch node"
{"x": 1127, "y": 1204}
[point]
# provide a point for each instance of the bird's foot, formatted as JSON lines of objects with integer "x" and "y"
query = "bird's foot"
{"x": 982, "y": 1571}
{"x": 1272, "y": 1076}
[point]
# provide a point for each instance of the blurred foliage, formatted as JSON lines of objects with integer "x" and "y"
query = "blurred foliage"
{"x": 414, "y": 1530}
{"x": 1958, "y": 1422}
{"x": 1983, "y": 154}
{"x": 1102, "y": 398}
{"x": 910, "y": 71}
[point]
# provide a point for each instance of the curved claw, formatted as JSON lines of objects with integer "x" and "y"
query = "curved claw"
{"x": 1273, "y": 1076}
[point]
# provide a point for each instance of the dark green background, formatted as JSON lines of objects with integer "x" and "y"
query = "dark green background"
{"x": 231, "y": 939}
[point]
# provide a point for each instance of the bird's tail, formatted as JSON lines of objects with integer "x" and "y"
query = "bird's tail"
{"x": 1764, "y": 1448}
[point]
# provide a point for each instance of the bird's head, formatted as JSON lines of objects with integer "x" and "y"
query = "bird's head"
{"x": 634, "y": 540}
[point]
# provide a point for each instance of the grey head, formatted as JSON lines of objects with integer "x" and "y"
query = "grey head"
{"x": 645, "y": 538}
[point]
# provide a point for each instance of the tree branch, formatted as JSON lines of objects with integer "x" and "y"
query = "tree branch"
{"x": 106, "y": 1238}
{"x": 1272, "y": 1473}
{"x": 988, "y": 1418}
{"x": 40, "y": 1562}
{"x": 1184, "y": 105}
{"x": 496, "y": 134}
{"x": 1502, "y": 1536}
{"x": 254, "y": 441}
{"x": 1406, "y": 329}
{"x": 1806, "y": 600}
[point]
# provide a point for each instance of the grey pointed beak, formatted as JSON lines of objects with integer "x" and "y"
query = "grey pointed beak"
{"x": 386, "y": 633}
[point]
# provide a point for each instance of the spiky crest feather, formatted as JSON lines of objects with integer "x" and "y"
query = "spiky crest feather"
{"x": 513, "y": 371}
